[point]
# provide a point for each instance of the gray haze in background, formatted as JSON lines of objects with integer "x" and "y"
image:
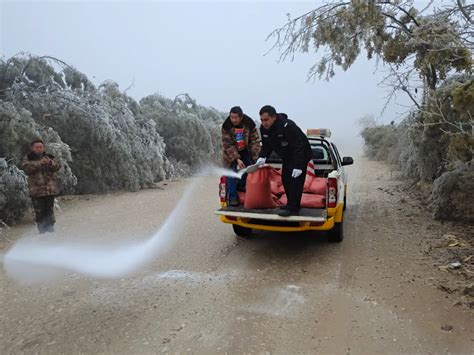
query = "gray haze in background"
{"x": 213, "y": 51}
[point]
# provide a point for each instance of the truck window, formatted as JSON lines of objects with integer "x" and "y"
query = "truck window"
{"x": 320, "y": 154}
{"x": 320, "y": 151}
{"x": 338, "y": 157}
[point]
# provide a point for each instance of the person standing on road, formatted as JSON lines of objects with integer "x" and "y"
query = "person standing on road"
{"x": 41, "y": 169}
{"x": 283, "y": 136}
{"x": 240, "y": 148}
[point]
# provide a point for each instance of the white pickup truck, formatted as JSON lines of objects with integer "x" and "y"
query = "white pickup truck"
{"x": 329, "y": 173}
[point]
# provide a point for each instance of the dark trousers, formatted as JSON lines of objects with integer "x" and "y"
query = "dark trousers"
{"x": 233, "y": 184}
{"x": 44, "y": 213}
{"x": 293, "y": 187}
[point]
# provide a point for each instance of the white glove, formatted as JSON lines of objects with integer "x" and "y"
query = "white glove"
{"x": 296, "y": 173}
{"x": 261, "y": 161}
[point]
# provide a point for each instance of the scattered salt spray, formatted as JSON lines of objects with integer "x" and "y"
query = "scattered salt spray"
{"x": 218, "y": 171}
{"x": 39, "y": 259}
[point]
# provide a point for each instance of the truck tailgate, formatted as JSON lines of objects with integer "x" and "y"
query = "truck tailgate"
{"x": 305, "y": 214}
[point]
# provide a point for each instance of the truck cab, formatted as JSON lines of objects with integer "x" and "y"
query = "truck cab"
{"x": 327, "y": 168}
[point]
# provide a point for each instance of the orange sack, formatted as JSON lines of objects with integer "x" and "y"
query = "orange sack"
{"x": 281, "y": 190}
{"x": 308, "y": 201}
{"x": 307, "y": 182}
{"x": 259, "y": 193}
{"x": 309, "y": 177}
{"x": 241, "y": 197}
{"x": 275, "y": 182}
{"x": 275, "y": 188}
{"x": 318, "y": 186}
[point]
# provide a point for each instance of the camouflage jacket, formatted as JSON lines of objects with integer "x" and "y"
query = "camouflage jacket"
{"x": 41, "y": 178}
{"x": 235, "y": 140}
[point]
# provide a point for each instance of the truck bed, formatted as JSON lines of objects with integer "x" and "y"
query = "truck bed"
{"x": 305, "y": 214}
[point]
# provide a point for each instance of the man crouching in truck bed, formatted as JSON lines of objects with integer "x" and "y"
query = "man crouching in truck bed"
{"x": 283, "y": 136}
{"x": 240, "y": 148}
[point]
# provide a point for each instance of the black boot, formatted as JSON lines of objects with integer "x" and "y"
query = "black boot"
{"x": 234, "y": 202}
{"x": 41, "y": 228}
{"x": 287, "y": 212}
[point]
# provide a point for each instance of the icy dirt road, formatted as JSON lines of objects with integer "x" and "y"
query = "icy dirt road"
{"x": 215, "y": 293}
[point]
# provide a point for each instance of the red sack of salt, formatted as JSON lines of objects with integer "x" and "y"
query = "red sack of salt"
{"x": 318, "y": 186}
{"x": 313, "y": 201}
{"x": 275, "y": 182}
{"x": 241, "y": 197}
{"x": 259, "y": 193}
{"x": 309, "y": 177}
{"x": 308, "y": 201}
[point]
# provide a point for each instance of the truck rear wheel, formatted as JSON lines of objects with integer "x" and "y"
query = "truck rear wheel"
{"x": 241, "y": 231}
{"x": 336, "y": 234}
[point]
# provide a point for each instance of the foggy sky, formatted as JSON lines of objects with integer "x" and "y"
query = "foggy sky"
{"x": 213, "y": 51}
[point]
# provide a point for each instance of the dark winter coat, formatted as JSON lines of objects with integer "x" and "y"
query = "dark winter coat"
{"x": 230, "y": 150}
{"x": 41, "y": 178}
{"x": 288, "y": 140}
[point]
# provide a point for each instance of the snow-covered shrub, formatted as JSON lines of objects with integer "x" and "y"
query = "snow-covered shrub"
{"x": 381, "y": 142}
{"x": 410, "y": 137}
{"x": 14, "y": 199}
{"x": 178, "y": 170}
{"x": 452, "y": 193}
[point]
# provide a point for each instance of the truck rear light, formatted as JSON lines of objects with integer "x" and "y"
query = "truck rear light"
{"x": 222, "y": 189}
{"x": 332, "y": 192}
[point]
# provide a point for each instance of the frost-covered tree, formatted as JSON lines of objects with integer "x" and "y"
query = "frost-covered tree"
{"x": 447, "y": 126}
{"x": 422, "y": 48}
{"x": 18, "y": 129}
{"x": 111, "y": 147}
{"x": 429, "y": 143}
{"x": 191, "y": 132}
{"x": 435, "y": 146}
{"x": 428, "y": 43}
{"x": 103, "y": 138}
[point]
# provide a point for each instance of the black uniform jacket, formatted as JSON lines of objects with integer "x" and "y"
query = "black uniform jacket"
{"x": 288, "y": 140}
